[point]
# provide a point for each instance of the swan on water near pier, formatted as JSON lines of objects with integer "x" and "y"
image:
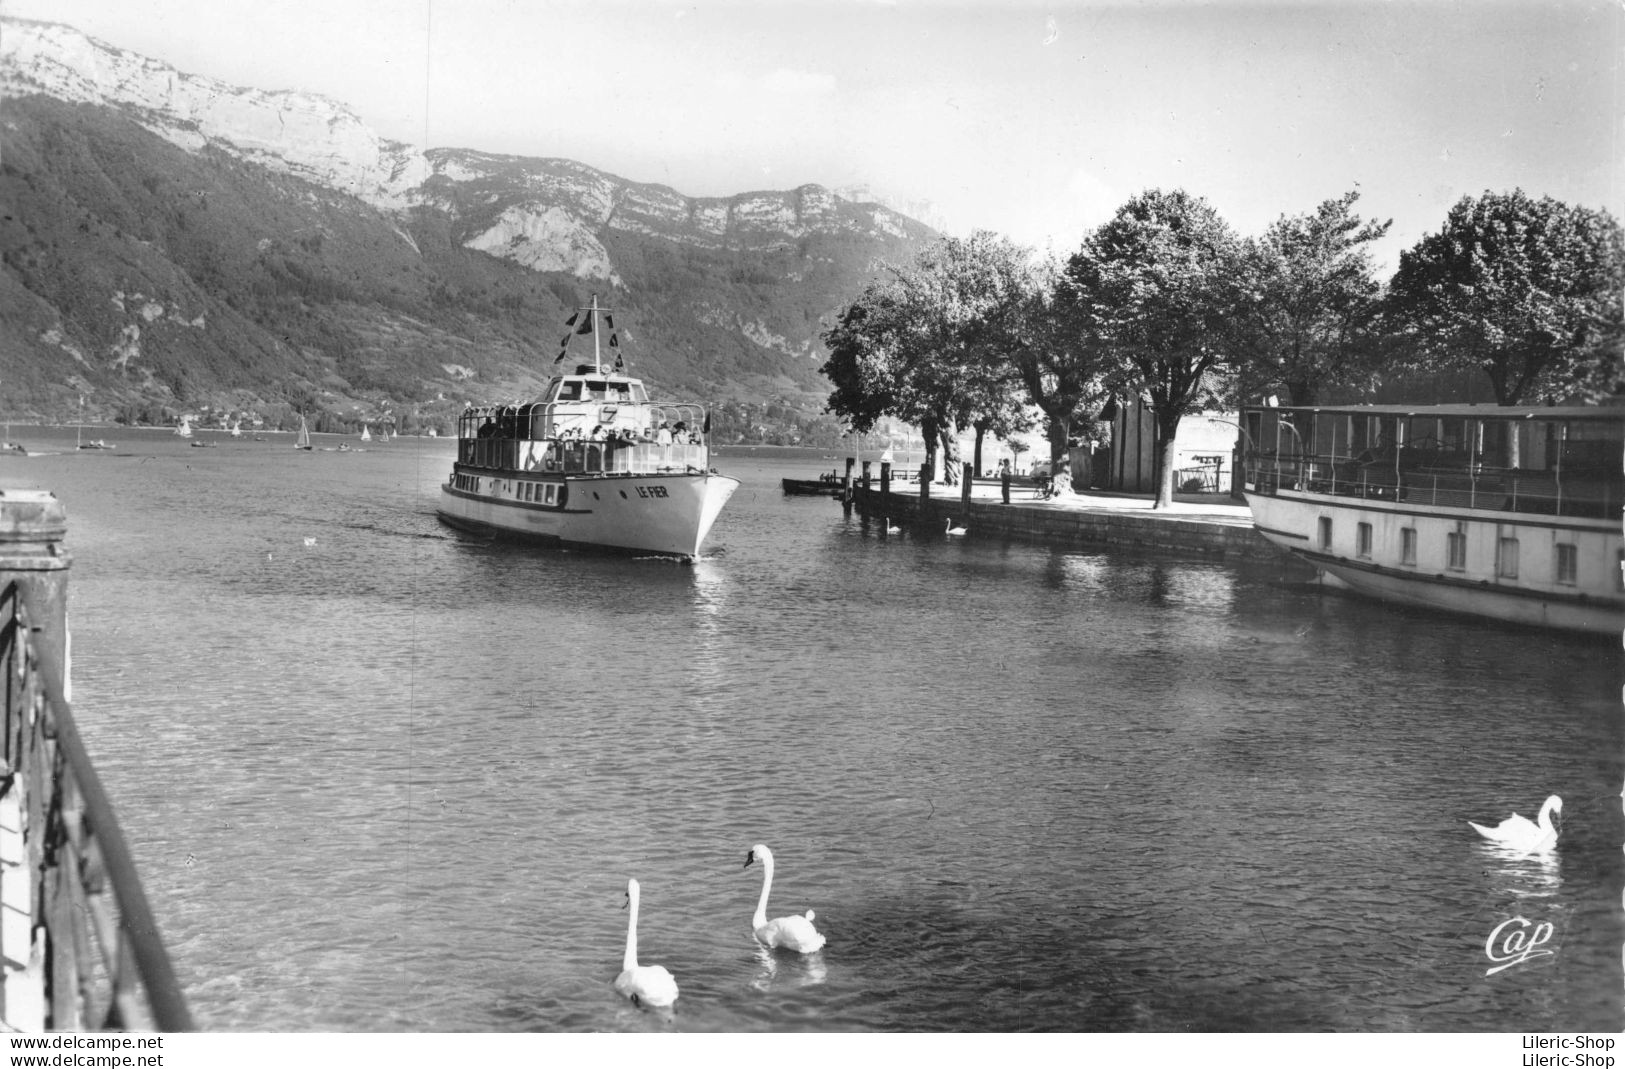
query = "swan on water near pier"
{"x": 1525, "y": 835}
{"x": 792, "y": 932}
{"x": 647, "y": 985}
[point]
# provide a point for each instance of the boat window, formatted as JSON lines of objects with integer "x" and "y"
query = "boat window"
{"x": 569, "y": 390}
{"x": 1325, "y": 532}
{"x": 1506, "y": 558}
{"x": 595, "y": 390}
{"x": 1407, "y": 545}
{"x": 1456, "y": 547}
{"x": 638, "y": 393}
{"x": 1567, "y": 563}
{"x": 551, "y": 493}
{"x": 1362, "y": 540}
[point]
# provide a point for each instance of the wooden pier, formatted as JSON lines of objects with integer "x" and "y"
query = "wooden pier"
{"x": 1208, "y": 525}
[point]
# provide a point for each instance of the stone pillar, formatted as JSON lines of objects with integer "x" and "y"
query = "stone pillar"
{"x": 33, "y": 525}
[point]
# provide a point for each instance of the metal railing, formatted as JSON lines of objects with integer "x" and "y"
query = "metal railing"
{"x": 78, "y": 945}
{"x": 1472, "y": 487}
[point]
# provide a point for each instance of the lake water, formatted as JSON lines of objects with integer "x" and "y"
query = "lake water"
{"x": 381, "y": 776}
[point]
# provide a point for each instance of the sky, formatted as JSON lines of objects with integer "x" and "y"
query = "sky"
{"x": 1034, "y": 120}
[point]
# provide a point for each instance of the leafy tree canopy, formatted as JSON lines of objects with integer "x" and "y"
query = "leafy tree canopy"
{"x": 1526, "y": 290}
{"x": 916, "y": 346}
{"x": 1312, "y": 301}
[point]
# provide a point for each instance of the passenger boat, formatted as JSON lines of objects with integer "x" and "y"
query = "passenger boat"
{"x": 594, "y": 462}
{"x": 1510, "y": 513}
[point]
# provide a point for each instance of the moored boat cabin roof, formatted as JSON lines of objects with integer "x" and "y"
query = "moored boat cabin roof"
{"x": 1562, "y": 413}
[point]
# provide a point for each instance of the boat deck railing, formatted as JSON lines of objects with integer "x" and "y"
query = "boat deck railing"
{"x": 79, "y": 948}
{"x": 578, "y": 457}
{"x": 1588, "y": 494}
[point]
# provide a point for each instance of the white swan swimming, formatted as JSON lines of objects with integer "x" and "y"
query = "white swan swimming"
{"x": 952, "y": 529}
{"x": 1525, "y": 835}
{"x": 647, "y": 985}
{"x": 891, "y": 529}
{"x": 792, "y": 932}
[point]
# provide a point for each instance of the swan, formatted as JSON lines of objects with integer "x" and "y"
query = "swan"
{"x": 1522, "y": 834}
{"x": 649, "y": 985}
{"x": 891, "y": 529}
{"x": 794, "y": 933}
{"x": 952, "y": 529}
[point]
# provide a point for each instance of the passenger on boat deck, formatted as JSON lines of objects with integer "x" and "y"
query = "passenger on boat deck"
{"x": 597, "y": 434}
{"x": 663, "y": 437}
{"x": 679, "y": 433}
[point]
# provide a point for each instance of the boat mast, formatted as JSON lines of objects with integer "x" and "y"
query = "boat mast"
{"x": 592, "y": 318}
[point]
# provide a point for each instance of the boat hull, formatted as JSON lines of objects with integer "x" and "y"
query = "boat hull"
{"x": 1476, "y": 584}
{"x": 664, "y": 515}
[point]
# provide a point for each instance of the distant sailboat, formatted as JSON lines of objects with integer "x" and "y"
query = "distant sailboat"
{"x": 303, "y": 441}
{"x": 185, "y": 429}
{"x": 366, "y": 435}
{"x": 237, "y": 429}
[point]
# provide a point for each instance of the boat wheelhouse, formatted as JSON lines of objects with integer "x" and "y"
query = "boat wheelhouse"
{"x": 1511, "y": 513}
{"x": 594, "y": 462}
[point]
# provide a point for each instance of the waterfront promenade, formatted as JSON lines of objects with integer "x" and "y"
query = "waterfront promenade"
{"x": 1214, "y": 525}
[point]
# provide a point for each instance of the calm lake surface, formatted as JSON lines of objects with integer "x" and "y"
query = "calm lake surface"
{"x": 381, "y": 776}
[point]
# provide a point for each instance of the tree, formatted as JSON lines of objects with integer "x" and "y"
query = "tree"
{"x": 914, "y": 346}
{"x": 1059, "y": 363}
{"x": 1526, "y": 290}
{"x": 1311, "y": 302}
{"x": 1155, "y": 286}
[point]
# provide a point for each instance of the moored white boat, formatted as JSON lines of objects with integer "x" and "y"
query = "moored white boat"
{"x": 594, "y": 462}
{"x": 1510, "y": 513}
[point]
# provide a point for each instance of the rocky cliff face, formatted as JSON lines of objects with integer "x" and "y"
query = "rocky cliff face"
{"x": 541, "y": 213}
{"x": 171, "y": 241}
{"x": 301, "y": 134}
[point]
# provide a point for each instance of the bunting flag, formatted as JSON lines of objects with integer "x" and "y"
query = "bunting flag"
{"x": 586, "y": 326}
{"x": 706, "y": 427}
{"x": 556, "y": 359}
{"x": 609, "y": 319}
{"x": 564, "y": 340}
{"x": 619, "y": 363}
{"x": 614, "y": 342}
{"x": 572, "y": 320}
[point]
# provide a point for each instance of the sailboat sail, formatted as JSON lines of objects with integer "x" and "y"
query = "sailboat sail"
{"x": 185, "y": 429}
{"x": 303, "y": 441}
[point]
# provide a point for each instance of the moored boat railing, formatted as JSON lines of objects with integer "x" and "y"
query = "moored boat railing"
{"x": 79, "y": 948}
{"x": 1578, "y": 494}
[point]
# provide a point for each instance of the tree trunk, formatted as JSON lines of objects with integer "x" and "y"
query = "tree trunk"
{"x": 1060, "y": 460}
{"x": 928, "y": 441}
{"x": 1167, "y": 456}
{"x": 976, "y": 458}
{"x": 951, "y": 461}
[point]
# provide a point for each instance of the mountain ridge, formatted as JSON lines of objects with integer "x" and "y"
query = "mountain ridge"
{"x": 339, "y": 238}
